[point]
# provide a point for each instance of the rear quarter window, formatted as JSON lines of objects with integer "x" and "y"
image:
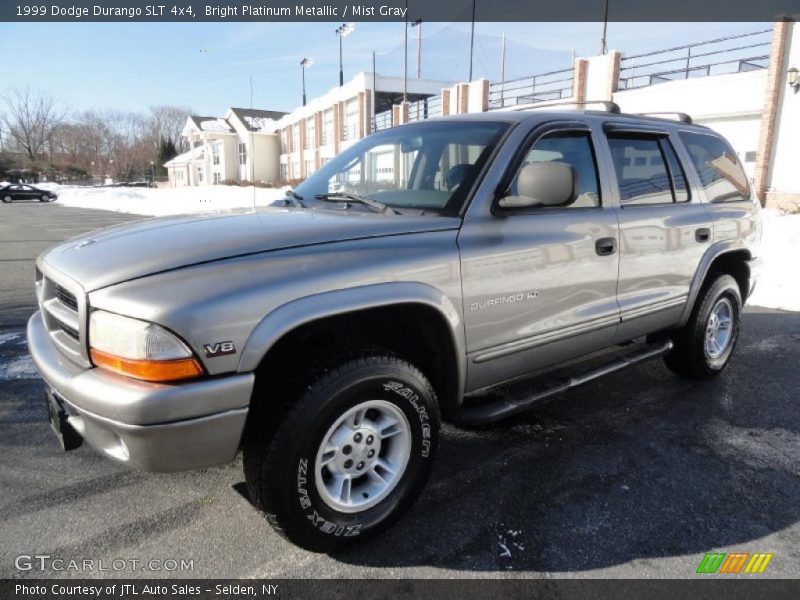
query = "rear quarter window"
{"x": 721, "y": 174}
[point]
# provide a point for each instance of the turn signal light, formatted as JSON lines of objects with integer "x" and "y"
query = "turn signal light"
{"x": 148, "y": 370}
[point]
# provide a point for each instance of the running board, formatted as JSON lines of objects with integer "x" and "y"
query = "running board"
{"x": 511, "y": 405}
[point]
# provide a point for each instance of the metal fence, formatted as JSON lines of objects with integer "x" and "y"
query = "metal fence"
{"x": 425, "y": 109}
{"x": 543, "y": 87}
{"x": 383, "y": 120}
{"x": 732, "y": 54}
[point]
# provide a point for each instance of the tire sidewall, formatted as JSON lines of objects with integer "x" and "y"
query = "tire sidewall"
{"x": 313, "y": 518}
{"x": 723, "y": 287}
{"x": 7, "y": 199}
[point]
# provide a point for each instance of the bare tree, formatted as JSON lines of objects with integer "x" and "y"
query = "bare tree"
{"x": 31, "y": 118}
{"x": 167, "y": 123}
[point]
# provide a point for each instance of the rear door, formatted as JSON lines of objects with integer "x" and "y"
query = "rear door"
{"x": 539, "y": 283}
{"x": 664, "y": 230}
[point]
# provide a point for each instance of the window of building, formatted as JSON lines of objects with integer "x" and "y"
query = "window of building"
{"x": 295, "y": 137}
{"x": 718, "y": 167}
{"x": 574, "y": 149}
{"x": 215, "y": 154}
{"x": 648, "y": 171}
{"x": 217, "y": 178}
{"x": 199, "y": 174}
{"x": 311, "y": 133}
{"x": 284, "y": 141}
{"x": 327, "y": 127}
{"x": 242, "y": 150}
{"x": 350, "y": 120}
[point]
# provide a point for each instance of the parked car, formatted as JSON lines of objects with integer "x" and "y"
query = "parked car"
{"x": 21, "y": 191}
{"x": 463, "y": 269}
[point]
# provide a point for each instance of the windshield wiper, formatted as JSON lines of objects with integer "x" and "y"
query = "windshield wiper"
{"x": 344, "y": 197}
{"x": 294, "y": 199}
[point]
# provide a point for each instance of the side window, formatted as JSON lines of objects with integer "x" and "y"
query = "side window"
{"x": 574, "y": 149}
{"x": 720, "y": 171}
{"x": 641, "y": 170}
{"x": 456, "y": 165}
{"x": 679, "y": 185}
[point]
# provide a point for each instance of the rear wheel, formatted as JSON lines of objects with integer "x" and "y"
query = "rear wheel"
{"x": 7, "y": 199}
{"x": 350, "y": 455}
{"x": 704, "y": 346}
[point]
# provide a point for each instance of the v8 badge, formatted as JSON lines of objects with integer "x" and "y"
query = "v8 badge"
{"x": 219, "y": 349}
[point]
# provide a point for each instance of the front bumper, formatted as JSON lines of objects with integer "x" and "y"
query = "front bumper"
{"x": 150, "y": 426}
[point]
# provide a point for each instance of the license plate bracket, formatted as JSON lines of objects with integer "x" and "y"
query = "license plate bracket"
{"x": 68, "y": 438}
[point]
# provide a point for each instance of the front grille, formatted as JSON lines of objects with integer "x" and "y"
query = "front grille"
{"x": 73, "y": 333}
{"x": 67, "y": 298}
{"x": 63, "y": 311}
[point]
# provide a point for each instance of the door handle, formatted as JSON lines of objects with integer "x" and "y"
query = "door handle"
{"x": 702, "y": 235}
{"x": 605, "y": 246}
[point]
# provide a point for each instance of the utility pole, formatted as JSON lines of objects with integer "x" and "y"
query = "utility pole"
{"x": 418, "y": 25}
{"x": 472, "y": 40}
{"x": 603, "y": 44}
{"x": 405, "y": 55}
{"x": 503, "y": 72}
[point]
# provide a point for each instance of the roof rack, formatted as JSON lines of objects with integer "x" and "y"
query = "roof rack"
{"x": 610, "y": 107}
{"x": 679, "y": 116}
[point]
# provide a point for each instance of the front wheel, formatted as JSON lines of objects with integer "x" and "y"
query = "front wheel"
{"x": 350, "y": 456}
{"x": 45, "y": 198}
{"x": 704, "y": 346}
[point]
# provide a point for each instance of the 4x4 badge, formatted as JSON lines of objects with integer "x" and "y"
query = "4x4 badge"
{"x": 219, "y": 349}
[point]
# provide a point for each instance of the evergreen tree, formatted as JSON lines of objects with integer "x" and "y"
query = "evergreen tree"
{"x": 166, "y": 152}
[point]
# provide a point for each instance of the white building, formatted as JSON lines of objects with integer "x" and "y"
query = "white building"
{"x": 269, "y": 146}
{"x": 241, "y": 146}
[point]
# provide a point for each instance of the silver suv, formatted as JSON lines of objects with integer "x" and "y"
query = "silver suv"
{"x": 462, "y": 268}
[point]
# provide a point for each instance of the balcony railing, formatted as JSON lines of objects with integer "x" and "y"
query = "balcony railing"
{"x": 543, "y": 87}
{"x": 732, "y": 54}
{"x": 383, "y": 120}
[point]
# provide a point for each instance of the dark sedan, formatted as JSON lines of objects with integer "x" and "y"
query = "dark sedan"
{"x": 20, "y": 191}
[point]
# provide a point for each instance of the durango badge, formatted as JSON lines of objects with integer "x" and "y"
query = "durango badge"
{"x": 219, "y": 349}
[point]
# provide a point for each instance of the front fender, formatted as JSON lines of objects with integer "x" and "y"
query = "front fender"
{"x": 291, "y": 315}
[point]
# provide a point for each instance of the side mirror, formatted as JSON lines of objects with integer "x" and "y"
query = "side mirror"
{"x": 543, "y": 184}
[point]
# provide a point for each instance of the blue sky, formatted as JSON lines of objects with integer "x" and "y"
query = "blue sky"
{"x": 207, "y": 66}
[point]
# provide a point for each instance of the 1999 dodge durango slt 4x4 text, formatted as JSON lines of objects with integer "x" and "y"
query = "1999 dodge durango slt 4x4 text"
{"x": 463, "y": 268}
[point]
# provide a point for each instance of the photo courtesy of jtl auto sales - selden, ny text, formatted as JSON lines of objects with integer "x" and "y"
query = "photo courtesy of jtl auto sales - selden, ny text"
{"x": 400, "y": 299}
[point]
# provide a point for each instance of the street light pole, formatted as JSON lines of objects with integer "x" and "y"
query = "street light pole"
{"x": 306, "y": 62}
{"x": 603, "y": 43}
{"x": 152, "y": 173}
{"x": 343, "y": 31}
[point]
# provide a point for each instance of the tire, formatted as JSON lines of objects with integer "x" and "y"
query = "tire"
{"x": 298, "y": 483}
{"x": 695, "y": 356}
{"x": 45, "y": 198}
{"x": 7, "y": 199}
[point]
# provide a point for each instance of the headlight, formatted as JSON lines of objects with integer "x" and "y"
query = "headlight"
{"x": 139, "y": 349}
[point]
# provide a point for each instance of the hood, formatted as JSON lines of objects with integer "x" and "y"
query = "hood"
{"x": 125, "y": 252}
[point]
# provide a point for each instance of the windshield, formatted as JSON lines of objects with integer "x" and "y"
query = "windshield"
{"x": 428, "y": 166}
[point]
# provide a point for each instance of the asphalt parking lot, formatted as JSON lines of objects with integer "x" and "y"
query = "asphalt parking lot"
{"x": 636, "y": 475}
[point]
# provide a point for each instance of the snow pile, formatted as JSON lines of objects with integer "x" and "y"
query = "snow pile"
{"x": 261, "y": 123}
{"x": 165, "y": 201}
{"x": 779, "y": 283}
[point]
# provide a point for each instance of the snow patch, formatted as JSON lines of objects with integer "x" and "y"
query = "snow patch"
{"x": 778, "y": 285}
{"x": 215, "y": 125}
{"x": 11, "y": 337}
{"x": 19, "y": 368}
{"x": 166, "y": 201}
